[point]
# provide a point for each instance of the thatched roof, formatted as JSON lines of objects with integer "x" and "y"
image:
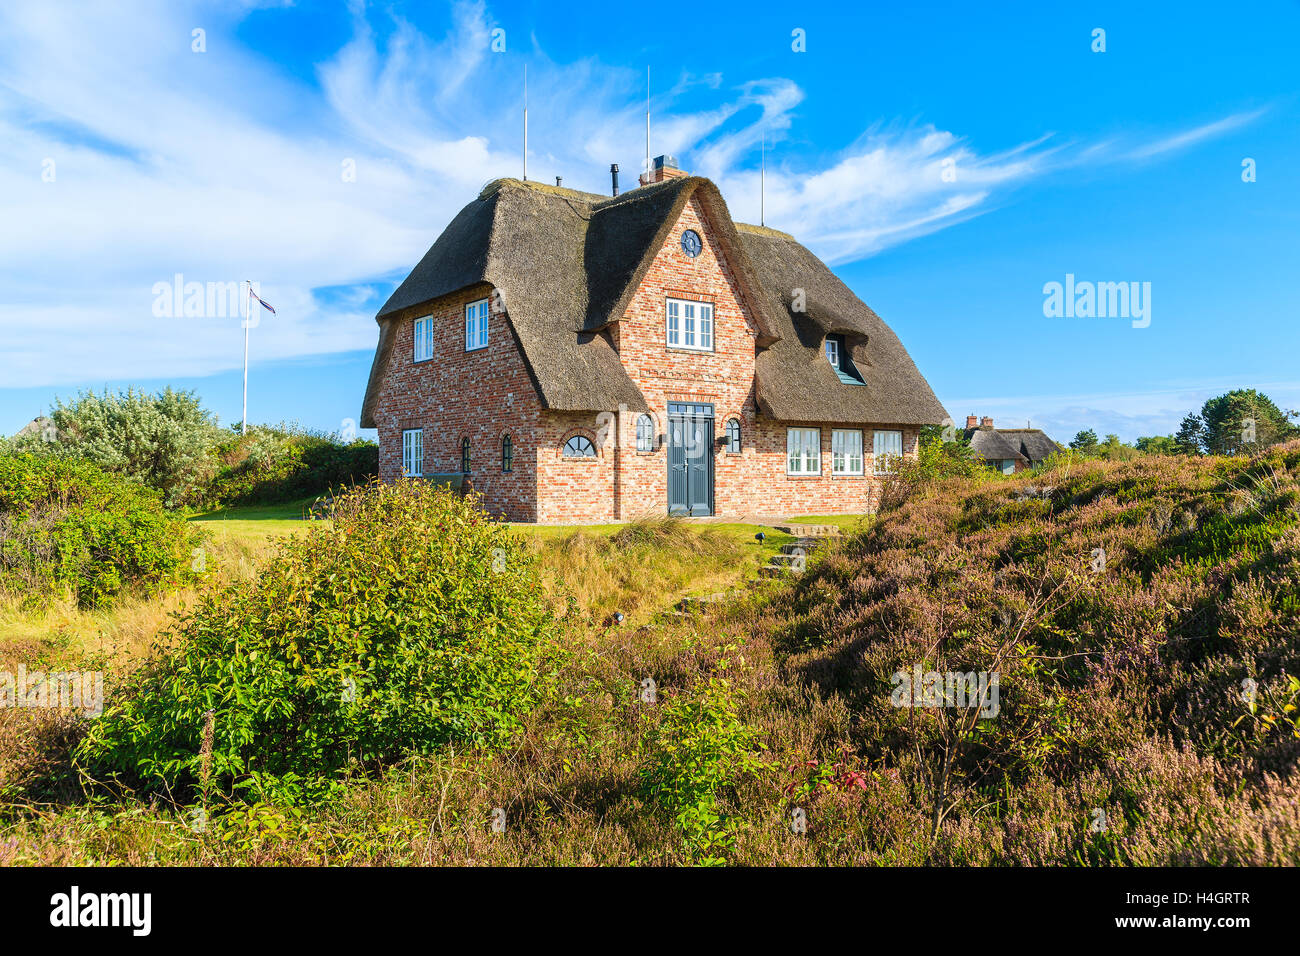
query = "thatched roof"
{"x": 1032, "y": 442}
{"x": 990, "y": 445}
{"x": 567, "y": 264}
{"x": 795, "y": 382}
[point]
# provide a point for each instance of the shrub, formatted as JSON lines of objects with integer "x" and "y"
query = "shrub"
{"x": 274, "y": 464}
{"x": 936, "y": 461}
{"x": 160, "y": 441}
{"x": 411, "y": 622}
{"x": 64, "y": 523}
{"x": 700, "y": 748}
{"x": 1145, "y": 606}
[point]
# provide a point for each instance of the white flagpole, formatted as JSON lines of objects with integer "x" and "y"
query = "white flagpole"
{"x": 248, "y": 318}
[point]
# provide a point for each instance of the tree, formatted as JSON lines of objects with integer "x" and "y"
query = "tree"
{"x": 1190, "y": 439}
{"x": 161, "y": 441}
{"x": 1085, "y": 441}
{"x": 1243, "y": 421}
{"x": 1157, "y": 445}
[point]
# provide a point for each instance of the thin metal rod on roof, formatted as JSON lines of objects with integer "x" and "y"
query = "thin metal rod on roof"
{"x": 762, "y": 179}
{"x": 647, "y": 122}
{"x": 525, "y": 122}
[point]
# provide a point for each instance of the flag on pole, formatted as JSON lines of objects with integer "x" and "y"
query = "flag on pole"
{"x": 266, "y": 305}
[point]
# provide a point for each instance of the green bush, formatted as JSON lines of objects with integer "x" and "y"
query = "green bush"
{"x": 270, "y": 465}
{"x": 161, "y": 441}
{"x": 409, "y": 623}
{"x": 64, "y": 523}
{"x": 700, "y": 749}
{"x": 937, "y": 460}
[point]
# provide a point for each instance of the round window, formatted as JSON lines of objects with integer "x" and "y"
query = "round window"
{"x": 691, "y": 244}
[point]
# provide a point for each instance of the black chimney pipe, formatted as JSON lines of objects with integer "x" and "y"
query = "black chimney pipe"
{"x": 559, "y": 180}
{"x": 613, "y": 172}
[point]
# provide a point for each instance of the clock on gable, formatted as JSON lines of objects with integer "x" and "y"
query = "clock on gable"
{"x": 691, "y": 244}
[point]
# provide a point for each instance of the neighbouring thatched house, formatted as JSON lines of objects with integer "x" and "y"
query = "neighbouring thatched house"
{"x": 583, "y": 358}
{"x": 1008, "y": 449}
{"x": 41, "y": 427}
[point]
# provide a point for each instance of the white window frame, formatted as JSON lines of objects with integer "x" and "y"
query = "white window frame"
{"x": 885, "y": 462}
{"x": 688, "y": 324}
{"x": 413, "y": 452}
{"x": 846, "y": 451}
{"x": 803, "y": 451}
{"x": 423, "y": 336}
{"x": 833, "y": 346}
{"x": 476, "y": 325}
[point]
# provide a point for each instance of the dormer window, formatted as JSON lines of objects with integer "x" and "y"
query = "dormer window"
{"x": 837, "y": 354}
{"x": 834, "y": 346}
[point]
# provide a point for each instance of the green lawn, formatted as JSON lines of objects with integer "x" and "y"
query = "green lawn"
{"x": 252, "y": 524}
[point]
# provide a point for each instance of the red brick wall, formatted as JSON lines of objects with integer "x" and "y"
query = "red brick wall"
{"x": 483, "y": 394}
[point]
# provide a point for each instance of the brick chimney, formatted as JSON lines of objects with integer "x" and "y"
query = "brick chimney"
{"x": 986, "y": 422}
{"x": 971, "y": 421}
{"x": 661, "y": 168}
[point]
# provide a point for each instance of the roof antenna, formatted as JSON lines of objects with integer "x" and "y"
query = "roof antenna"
{"x": 525, "y": 122}
{"x": 762, "y": 179}
{"x": 647, "y": 123}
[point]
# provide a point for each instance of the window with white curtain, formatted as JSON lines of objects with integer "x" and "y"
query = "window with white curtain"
{"x": 476, "y": 325}
{"x": 424, "y": 338}
{"x": 887, "y": 449}
{"x": 413, "y": 452}
{"x": 803, "y": 451}
{"x": 689, "y": 324}
{"x": 846, "y": 452}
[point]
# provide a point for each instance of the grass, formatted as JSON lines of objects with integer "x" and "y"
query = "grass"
{"x": 645, "y": 567}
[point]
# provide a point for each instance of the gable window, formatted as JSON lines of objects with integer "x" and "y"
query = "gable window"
{"x": 507, "y": 453}
{"x": 733, "y": 436}
{"x": 887, "y": 449}
{"x": 803, "y": 451}
{"x": 689, "y": 325}
{"x": 424, "y": 339}
{"x": 464, "y": 455}
{"x": 579, "y": 447}
{"x": 833, "y": 350}
{"x": 846, "y": 452}
{"x": 476, "y": 325}
{"x": 413, "y": 452}
{"x": 645, "y": 433}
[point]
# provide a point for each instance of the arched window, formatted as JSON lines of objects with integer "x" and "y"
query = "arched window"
{"x": 464, "y": 454}
{"x": 733, "y": 436}
{"x": 579, "y": 447}
{"x": 507, "y": 453}
{"x": 645, "y": 433}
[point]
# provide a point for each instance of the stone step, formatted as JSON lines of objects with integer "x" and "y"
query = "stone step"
{"x": 810, "y": 530}
{"x": 806, "y": 545}
{"x": 776, "y": 570}
{"x": 788, "y": 558}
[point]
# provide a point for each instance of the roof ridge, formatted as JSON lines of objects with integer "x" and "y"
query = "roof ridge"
{"x": 496, "y": 185}
{"x": 762, "y": 230}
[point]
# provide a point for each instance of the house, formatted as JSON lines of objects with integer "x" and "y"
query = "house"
{"x": 1008, "y": 450}
{"x": 584, "y": 358}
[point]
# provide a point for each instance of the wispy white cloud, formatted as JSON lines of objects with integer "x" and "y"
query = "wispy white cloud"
{"x": 221, "y": 166}
{"x": 1199, "y": 134}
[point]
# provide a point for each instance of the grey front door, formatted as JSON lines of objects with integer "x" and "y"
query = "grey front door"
{"x": 690, "y": 458}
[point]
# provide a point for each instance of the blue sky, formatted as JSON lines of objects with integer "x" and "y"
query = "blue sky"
{"x": 127, "y": 158}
